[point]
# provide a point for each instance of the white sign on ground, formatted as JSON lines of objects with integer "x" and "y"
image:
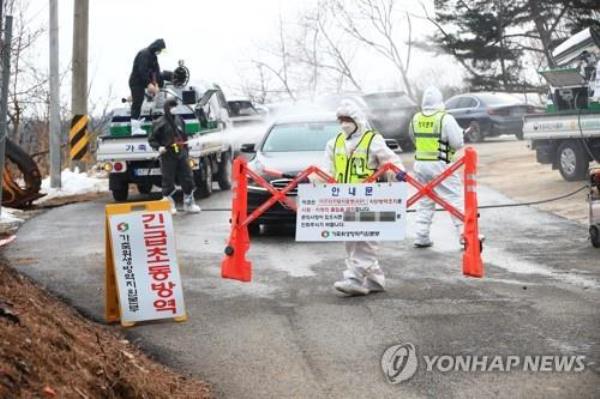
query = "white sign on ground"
{"x": 146, "y": 267}
{"x": 351, "y": 212}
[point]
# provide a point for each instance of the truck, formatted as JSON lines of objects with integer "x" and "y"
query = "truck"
{"x": 129, "y": 159}
{"x": 567, "y": 134}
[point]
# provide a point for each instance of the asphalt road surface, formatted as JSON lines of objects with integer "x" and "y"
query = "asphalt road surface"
{"x": 289, "y": 334}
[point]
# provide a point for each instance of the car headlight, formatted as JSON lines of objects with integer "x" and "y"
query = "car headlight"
{"x": 256, "y": 167}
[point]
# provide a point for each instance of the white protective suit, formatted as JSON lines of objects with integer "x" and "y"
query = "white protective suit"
{"x": 361, "y": 257}
{"x": 425, "y": 171}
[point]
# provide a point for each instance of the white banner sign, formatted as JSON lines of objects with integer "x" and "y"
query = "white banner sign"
{"x": 146, "y": 267}
{"x": 351, "y": 212}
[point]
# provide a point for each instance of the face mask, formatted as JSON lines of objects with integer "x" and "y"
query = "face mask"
{"x": 172, "y": 110}
{"x": 348, "y": 127}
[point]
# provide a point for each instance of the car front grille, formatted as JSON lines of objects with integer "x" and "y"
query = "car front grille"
{"x": 282, "y": 183}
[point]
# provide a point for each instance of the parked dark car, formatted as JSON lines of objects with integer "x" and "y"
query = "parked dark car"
{"x": 390, "y": 114}
{"x": 491, "y": 114}
{"x": 387, "y": 112}
{"x": 244, "y": 112}
{"x": 290, "y": 145}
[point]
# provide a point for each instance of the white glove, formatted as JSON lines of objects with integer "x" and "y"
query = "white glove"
{"x": 161, "y": 150}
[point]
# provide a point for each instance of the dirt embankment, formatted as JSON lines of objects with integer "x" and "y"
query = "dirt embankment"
{"x": 48, "y": 350}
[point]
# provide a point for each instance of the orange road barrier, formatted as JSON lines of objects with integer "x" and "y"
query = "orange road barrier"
{"x": 236, "y": 266}
{"x": 472, "y": 263}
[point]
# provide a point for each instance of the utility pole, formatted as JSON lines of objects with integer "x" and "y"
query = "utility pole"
{"x": 4, "y": 96}
{"x": 55, "y": 128}
{"x": 79, "y": 94}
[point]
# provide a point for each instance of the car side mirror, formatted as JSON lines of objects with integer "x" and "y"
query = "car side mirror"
{"x": 248, "y": 148}
{"x": 392, "y": 144}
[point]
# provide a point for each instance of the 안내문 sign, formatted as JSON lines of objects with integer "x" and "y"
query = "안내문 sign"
{"x": 351, "y": 212}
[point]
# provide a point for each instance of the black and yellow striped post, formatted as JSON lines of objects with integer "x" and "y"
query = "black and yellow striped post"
{"x": 79, "y": 138}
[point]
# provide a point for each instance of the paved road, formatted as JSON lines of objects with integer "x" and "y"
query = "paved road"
{"x": 288, "y": 334}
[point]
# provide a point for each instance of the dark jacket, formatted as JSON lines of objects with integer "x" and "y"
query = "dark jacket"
{"x": 145, "y": 66}
{"x": 166, "y": 131}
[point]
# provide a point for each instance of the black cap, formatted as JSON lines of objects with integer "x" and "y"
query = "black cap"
{"x": 170, "y": 103}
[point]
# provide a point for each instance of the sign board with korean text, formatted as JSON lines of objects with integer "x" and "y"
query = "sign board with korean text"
{"x": 142, "y": 272}
{"x": 351, "y": 212}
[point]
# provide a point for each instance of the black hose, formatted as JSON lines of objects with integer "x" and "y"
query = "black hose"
{"x": 544, "y": 201}
{"x": 535, "y": 202}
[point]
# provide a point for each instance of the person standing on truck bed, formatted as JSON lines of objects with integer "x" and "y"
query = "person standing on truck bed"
{"x": 169, "y": 139}
{"x": 145, "y": 74}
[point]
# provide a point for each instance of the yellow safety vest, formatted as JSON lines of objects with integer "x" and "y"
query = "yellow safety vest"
{"x": 353, "y": 169}
{"x": 428, "y": 133}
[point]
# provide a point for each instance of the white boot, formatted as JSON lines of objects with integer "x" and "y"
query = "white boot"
{"x": 136, "y": 127}
{"x": 172, "y": 202}
{"x": 189, "y": 205}
{"x": 351, "y": 287}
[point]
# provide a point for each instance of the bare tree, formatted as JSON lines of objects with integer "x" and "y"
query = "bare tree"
{"x": 309, "y": 56}
{"x": 258, "y": 93}
{"x": 374, "y": 23}
{"x": 279, "y": 61}
{"x": 28, "y": 83}
{"x": 324, "y": 52}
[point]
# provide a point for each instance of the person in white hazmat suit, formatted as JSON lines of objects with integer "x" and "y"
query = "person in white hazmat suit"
{"x": 351, "y": 157}
{"x": 437, "y": 137}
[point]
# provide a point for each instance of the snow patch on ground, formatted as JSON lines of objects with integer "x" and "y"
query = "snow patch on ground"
{"x": 74, "y": 183}
{"x": 10, "y": 220}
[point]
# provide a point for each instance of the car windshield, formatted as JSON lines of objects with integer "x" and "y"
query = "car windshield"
{"x": 305, "y": 136}
{"x": 498, "y": 98}
{"x": 388, "y": 100}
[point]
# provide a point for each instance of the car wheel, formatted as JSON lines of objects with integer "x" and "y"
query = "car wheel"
{"x": 475, "y": 135}
{"x": 573, "y": 162}
{"x": 144, "y": 188}
{"x": 121, "y": 194}
{"x": 595, "y": 236}
{"x": 204, "y": 180}
{"x": 224, "y": 173}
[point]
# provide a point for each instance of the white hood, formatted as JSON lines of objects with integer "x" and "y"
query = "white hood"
{"x": 350, "y": 110}
{"x": 433, "y": 101}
